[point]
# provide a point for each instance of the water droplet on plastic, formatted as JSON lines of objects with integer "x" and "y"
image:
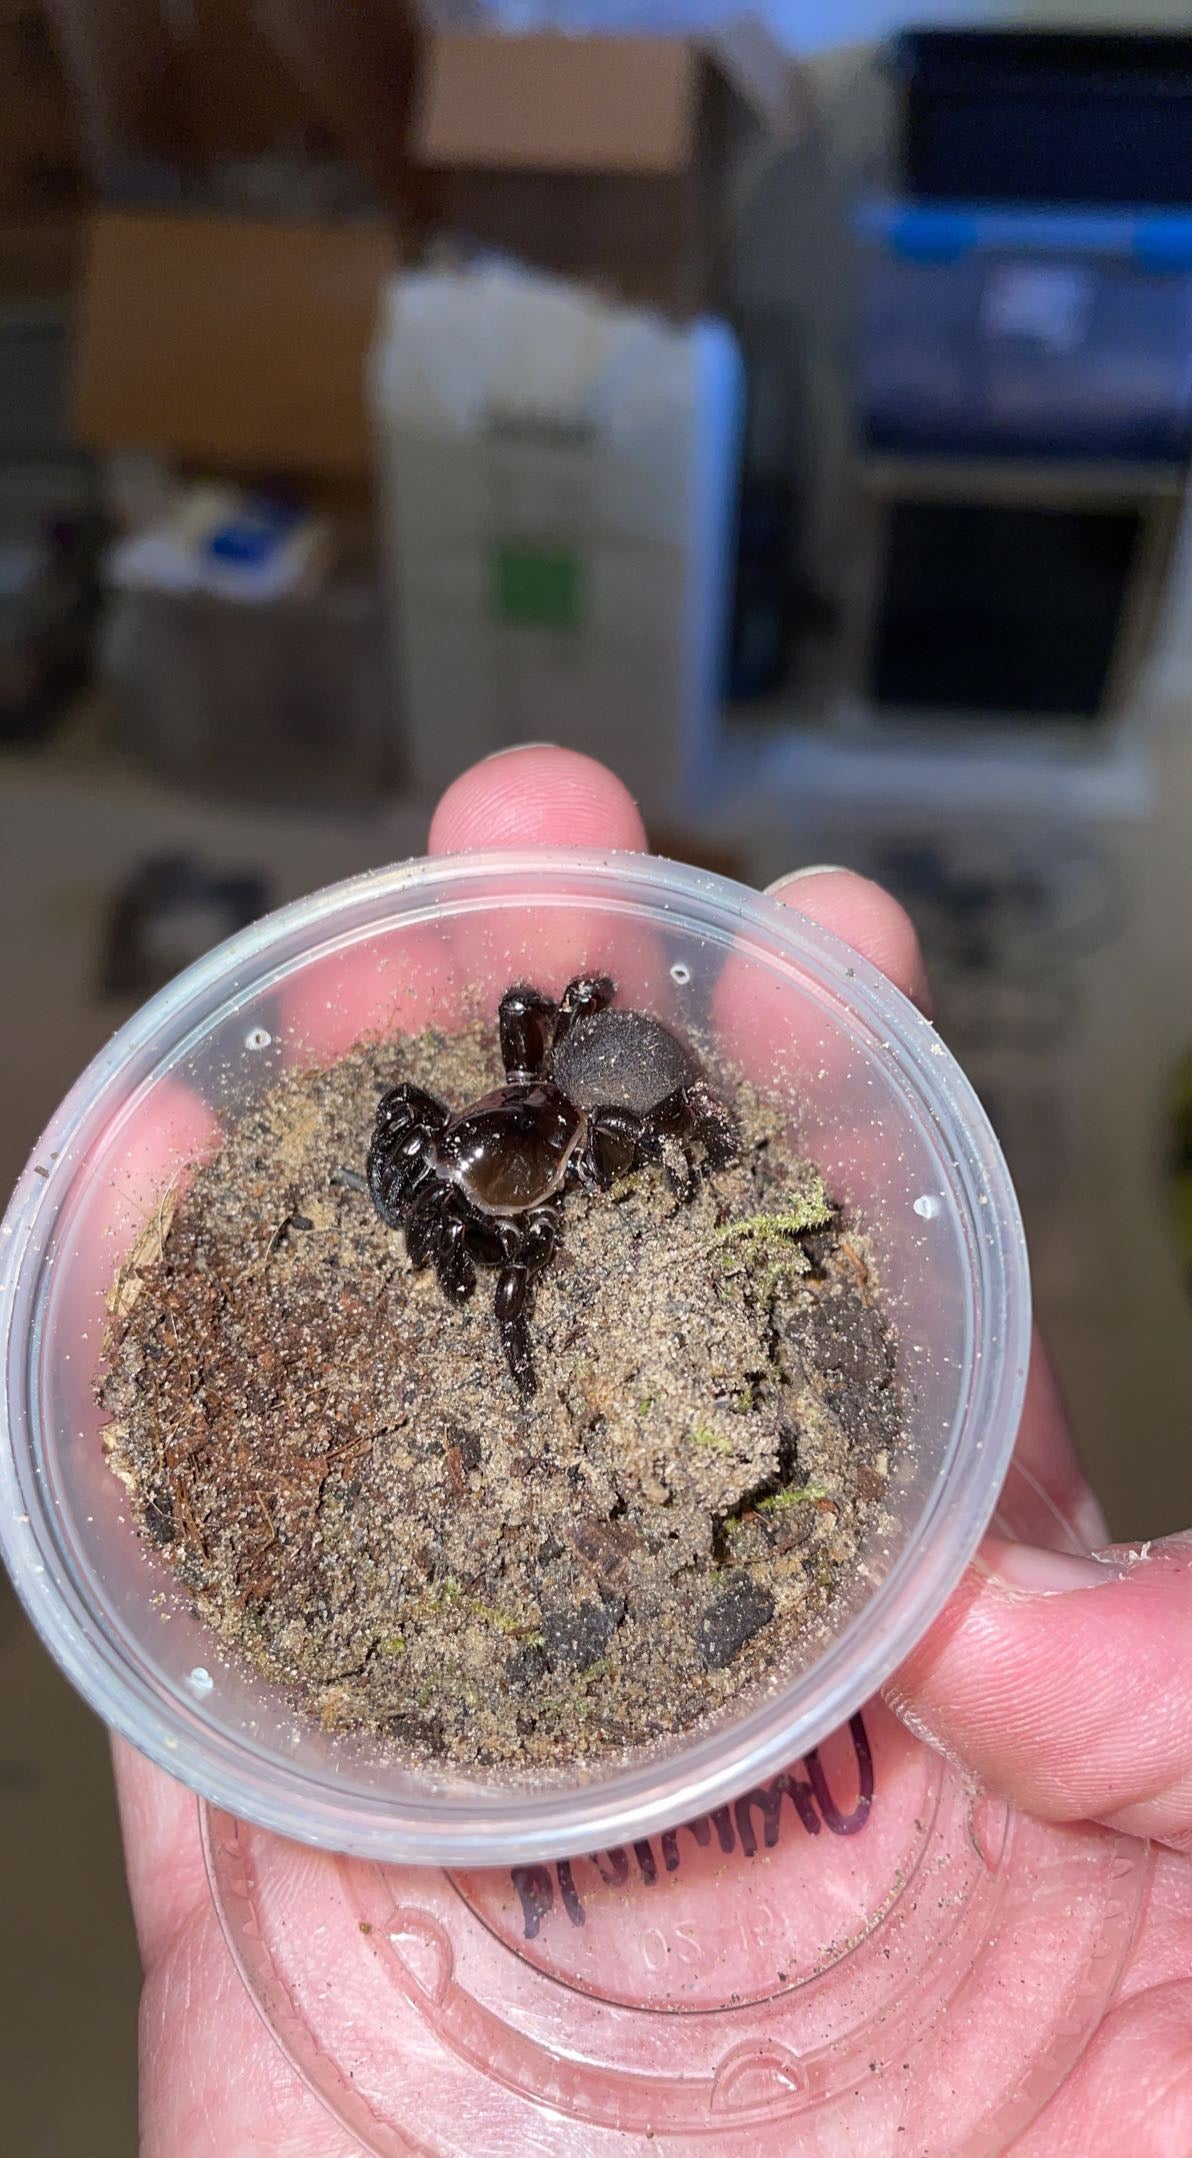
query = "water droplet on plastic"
{"x": 257, "y": 1038}
{"x": 927, "y": 1206}
{"x": 680, "y": 973}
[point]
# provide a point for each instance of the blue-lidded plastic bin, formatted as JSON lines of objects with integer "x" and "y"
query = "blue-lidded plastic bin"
{"x": 1042, "y": 333}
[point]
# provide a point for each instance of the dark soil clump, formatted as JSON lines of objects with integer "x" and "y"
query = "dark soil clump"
{"x": 349, "y": 1486}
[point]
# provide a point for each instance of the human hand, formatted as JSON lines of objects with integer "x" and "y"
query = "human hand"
{"x": 1067, "y": 1696}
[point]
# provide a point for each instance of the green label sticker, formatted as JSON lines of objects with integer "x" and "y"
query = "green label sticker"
{"x": 538, "y": 587}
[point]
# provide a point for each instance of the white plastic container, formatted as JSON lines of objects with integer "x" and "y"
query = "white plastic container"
{"x": 558, "y": 483}
{"x": 873, "y": 1096}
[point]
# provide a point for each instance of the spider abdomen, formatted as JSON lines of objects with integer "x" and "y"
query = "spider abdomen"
{"x": 624, "y": 1058}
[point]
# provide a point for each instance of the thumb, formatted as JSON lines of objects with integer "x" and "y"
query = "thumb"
{"x": 1066, "y": 1683}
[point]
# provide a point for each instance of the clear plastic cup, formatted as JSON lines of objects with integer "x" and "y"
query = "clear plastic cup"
{"x": 871, "y": 1093}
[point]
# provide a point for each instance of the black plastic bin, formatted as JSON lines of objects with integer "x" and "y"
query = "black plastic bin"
{"x": 1045, "y": 116}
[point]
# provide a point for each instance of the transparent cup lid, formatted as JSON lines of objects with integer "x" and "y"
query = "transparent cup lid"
{"x": 862, "y": 1954}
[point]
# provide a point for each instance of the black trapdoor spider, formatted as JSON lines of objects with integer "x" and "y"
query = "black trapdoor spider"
{"x": 589, "y": 1093}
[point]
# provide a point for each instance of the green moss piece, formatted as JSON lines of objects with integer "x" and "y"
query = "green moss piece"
{"x": 811, "y": 1211}
{"x": 391, "y": 1644}
{"x": 768, "y": 1244}
{"x": 792, "y": 1495}
{"x": 509, "y": 1622}
{"x": 715, "y": 1441}
{"x": 588, "y": 1681}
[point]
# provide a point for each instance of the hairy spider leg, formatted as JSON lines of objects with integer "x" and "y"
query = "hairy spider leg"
{"x": 394, "y": 1176}
{"x": 691, "y": 1112}
{"x": 618, "y": 1139}
{"x": 714, "y": 1126}
{"x": 407, "y": 1104}
{"x": 515, "y": 1297}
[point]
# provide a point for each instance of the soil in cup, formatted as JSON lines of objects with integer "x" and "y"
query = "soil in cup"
{"x": 353, "y": 1493}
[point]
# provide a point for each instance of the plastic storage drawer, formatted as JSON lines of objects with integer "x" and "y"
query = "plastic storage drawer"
{"x": 1002, "y": 333}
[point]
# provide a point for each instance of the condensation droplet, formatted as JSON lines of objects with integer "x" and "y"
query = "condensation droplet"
{"x": 257, "y": 1039}
{"x": 680, "y": 973}
{"x": 200, "y": 1681}
{"x": 927, "y": 1206}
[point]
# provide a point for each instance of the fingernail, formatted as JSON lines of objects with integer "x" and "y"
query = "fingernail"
{"x": 814, "y": 869}
{"x": 1045, "y": 1573}
{"x": 514, "y": 749}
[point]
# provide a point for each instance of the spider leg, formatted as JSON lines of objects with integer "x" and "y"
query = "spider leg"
{"x": 489, "y": 1243}
{"x": 409, "y": 1105}
{"x": 663, "y": 1131}
{"x": 408, "y": 1121}
{"x": 690, "y": 1112}
{"x": 514, "y": 1298}
{"x": 712, "y": 1124}
{"x": 394, "y": 1174}
{"x": 613, "y": 1146}
{"x": 452, "y": 1260}
{"x": 587, "y": 994}
{"x": 424, "y": 1224}
{"x": 527, "y": 1023}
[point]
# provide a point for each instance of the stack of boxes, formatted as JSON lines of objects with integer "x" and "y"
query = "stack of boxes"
{"x": 235, "y": 346}
{"x": 1026, "y": 417}
{"x": 580, "y": 429}
{"x": 1025, "y": 381}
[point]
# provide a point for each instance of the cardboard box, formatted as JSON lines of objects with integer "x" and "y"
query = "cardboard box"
{"x": 41, "y": 179}
{"x": 39, "y": 258}
{"x": 229, "y": 342}
{"x": 609, "y": 160}
{"x": 160, "y": 90}
{"x": 356, "y": 67}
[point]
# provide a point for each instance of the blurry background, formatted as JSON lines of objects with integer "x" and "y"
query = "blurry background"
{"x": 794, "y": 409}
